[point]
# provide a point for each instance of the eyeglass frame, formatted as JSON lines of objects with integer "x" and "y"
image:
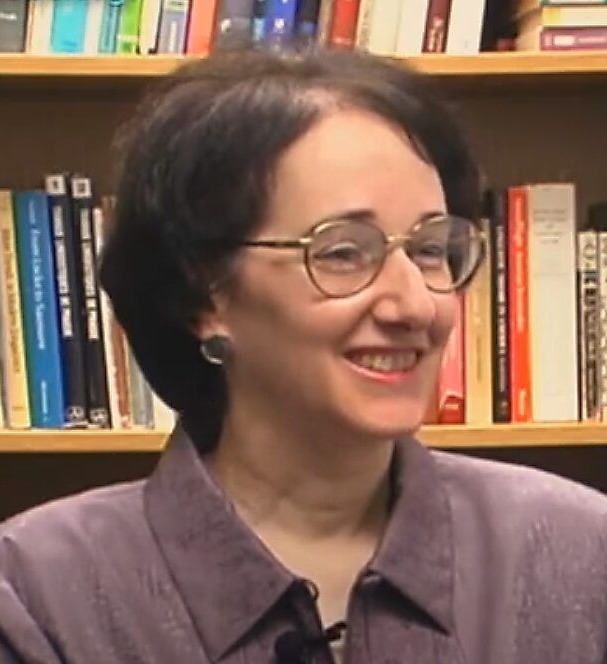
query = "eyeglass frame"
{"x": 391, "y": 242}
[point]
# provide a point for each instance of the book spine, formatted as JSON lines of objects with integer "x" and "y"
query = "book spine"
{"x": 280, "y": 22}
{"x": 14, "y": 370}
{"x": 588, "y": 297}
{"x": 69, "y": 26}
{"x": 92, "y": 33}
{"x": 70, "y": 298}
{"x": 39, "y": 309}
{"x": 343, "y": 25}
{"x": 40, "y": 32}
{"x": 571, "y": 39}
{"x": 477, "y": 344}
{"x": 259, "y": 20}
{"x": 363, "y": 26}
{"x": 13, "y": 20}
{"x": 383, "y": 26}
{"x": 518, "y": 305}
{"x": 200, "y": 26}
{"x": 325, "y": 15}
{"x": 452, "y": 396}
{"x": 173, "y": 26}
{"x": 110, "y": 23}
{"x": 437, "y": 21}
{"x": 306, "y": 23}
{"x": 411, "y": 28}
{"x": 602, "y": 323}
{"x": 140, "y": 393}
{"x": 97, "y": 392}
{"x": 465, "y": 27}
{"x": 584, "y": 16}
{"x": 150, "y": 22}
{"x": 552, "y": 301}
{"x": 500, "y": 344}
{"x": 127, "y": 41}
{"x": 234, "y": 24}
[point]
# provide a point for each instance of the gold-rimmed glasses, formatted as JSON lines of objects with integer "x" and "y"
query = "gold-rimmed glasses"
{"x": 344, "y": 256}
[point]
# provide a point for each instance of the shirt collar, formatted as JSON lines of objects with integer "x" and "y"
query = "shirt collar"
{"x": 226, "y": 577}
{"x": 229, "y": 580}
{"x": 416, "y": 552}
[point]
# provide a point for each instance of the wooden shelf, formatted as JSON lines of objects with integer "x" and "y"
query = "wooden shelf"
{"x": 452, "y": 437}
{"x": 509, "y": 64}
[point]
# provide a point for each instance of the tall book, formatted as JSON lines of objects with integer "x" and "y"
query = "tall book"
{"x": 411, "y": 27}
{"x": 588, "y": 325}
{"x": 97, "y": 400}
{"x": 41, "y": 21}
{"x": 477, "y": 345}
{"x": 92, "y": 31}
{"x": 234, "y": 24}
{"x": 451, "y": 380}
{"x": 173, "y": 26}
{"x": 383, "y": 25}
{"x": 39, "y": 309}
{"x": 200, "y": 26}
{"x": 306, "y": 23}
{"x": 280, "y": 23}
{"x": 12, "y": 349}
{"x": 13, "y": 18}
{"x": 500, "y": 333}
{"x": 518, "y": 305}
{"x": 69, "y": 289}
{"x": 110, "y": 23}
{"x": 127, "y": 40}
{"x": 552, "y": 301}
{"x": 69, "y": 26}
{"x": 437, "y": 22}
{"x": 343, "y": 23}
{"x": 465, "y": 27}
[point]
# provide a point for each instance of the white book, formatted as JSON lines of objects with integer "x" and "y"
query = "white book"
{"x": 106, "y": 325}
{"x": 39, "y": 41}
{"x": 94, "y": 18}
{"x": 164, "y": 417}
{"x": 149, "y": 25}
{"x": 465, "y": 27}
{"x": 553, "y": 301}
{"x": 383, "y": 25}
{"x": 363, "y": 23}
{"x": 411, "y": 27}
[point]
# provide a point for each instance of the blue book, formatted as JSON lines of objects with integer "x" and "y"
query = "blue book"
{"x": 173, "y": 26}
{"x": 69, "y": 26}
{"x": 39, "y": 309}
{"x": 280, "y": 22}
{"x": 110, "y": 25}
{"x": 259, "y": 20}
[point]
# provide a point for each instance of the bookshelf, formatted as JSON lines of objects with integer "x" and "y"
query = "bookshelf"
{"x": 530, "y": 116}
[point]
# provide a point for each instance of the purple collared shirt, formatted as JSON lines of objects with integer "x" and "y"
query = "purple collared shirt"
{"x": 481, "y": 563}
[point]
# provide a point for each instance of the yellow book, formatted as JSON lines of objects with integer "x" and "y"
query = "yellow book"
{"x": 12, "y": 350}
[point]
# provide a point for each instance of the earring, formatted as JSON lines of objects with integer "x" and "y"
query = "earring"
{"x": 215, "y": 349}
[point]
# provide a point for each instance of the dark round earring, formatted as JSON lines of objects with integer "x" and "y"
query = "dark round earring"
{"x": 215, "y": 349}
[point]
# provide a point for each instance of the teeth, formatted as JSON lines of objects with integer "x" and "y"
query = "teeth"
{"x": 386, "y": 361}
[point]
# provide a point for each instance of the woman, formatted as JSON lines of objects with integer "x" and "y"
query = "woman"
{"x": 290, "y": 237}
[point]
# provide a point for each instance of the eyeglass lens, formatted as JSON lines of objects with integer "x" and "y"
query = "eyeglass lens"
{"x": 345, "y": 256}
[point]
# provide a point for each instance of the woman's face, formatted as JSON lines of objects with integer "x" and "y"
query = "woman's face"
{"x": 364, "y": 364}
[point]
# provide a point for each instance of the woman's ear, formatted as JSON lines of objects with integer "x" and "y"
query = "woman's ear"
{"x": 212, "y": 322}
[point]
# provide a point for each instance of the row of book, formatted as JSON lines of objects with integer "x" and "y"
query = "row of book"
{"x": 561, "y": 25}
{"x": 386, "y": 27}
{"x": 530, "y": 344}
{"x": 64, "y": 361}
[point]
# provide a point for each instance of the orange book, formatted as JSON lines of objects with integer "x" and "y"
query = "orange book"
{"x": 200, "y": 27}
{"x": 451, "y": 390}
{"x": 518, "y": 304}
{"x": 342, "y": 32}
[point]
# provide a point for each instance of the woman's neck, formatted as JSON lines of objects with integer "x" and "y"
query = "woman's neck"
{"x": 304, "y": 484}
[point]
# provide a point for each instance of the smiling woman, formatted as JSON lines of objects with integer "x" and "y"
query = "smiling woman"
{"x": 303, "y": 227}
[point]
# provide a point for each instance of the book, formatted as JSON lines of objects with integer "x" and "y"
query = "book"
{"x": 411, "y": 27}
{"x": 12, "y": 349}
{"x": 437, "y": 22}
{"x": 465, "y": 27}
{"x": 69, "y": 26}
{"x": 173, "y": 26}
{"x": 280, "y": 23}
{"x": 110, "y": 23}
{"x": 92, "y": 31}
{"x": 234, "y": 24}
{"x": 306, "y": 23}
{"x": 518, "y": 305}
{"x": 13, "y": 18}
{"x": 451, "y": 380}
{"x": 383, "y": 24}
{"x": 563, "y": 39}
{"x": 97, "y": 400}
{"x": 41, "y": 21}
{"x": 552, "y": 328}
{"x": 127, "y": 40}
{"x": 69, "y": 291}
{"x": 200, "y": 26}
{"x": 342, "y": 31}
{"x": 578, "y": 16}
{"x": 45, "y": 371}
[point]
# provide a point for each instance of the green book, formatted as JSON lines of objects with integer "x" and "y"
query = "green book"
{"x": 128, "y": 29}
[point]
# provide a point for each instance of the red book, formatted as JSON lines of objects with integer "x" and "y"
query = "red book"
{"x": 200, "y": 27}
{"x": 451, "y": 397}
{"x": 342, "y": 31}
{"x": 518, "y": 305}
{"x": 437, "y": 21}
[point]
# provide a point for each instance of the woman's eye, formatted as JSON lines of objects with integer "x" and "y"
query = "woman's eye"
{"x": 429, "y": 252}
{"x": 347, "y": 252}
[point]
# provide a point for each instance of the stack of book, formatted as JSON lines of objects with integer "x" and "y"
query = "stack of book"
{"x": 561, "y": 25}
{"x": 196, "y": 27}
